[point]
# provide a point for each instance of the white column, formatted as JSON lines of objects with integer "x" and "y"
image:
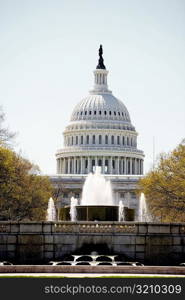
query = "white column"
{"x": 135, "y": 166}
{"x": 125, "y": 165}
{"x": 63, "y": 166}
{"x": 142, "y": 167}
{"x": 118, "y": 170}
{"x": 110, "y": 164}
{"x": 80, "y": 165}
{"x": 68, "y": 171}
{"x": 74, "y": 165}
{"x": 122, "y": 164}
{"x": 103, "y": 165}
{"x": 83, "y": 165}
{"x": 88, "y": 166}
{"x": 128, "y": 198}
{"x": 131, "y": 166}
{"x": 60, "y": 165}
{"x": 96, "y": 161}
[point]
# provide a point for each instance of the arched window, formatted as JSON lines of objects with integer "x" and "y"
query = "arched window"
{"x": 110, "y": 113}
{"x": 106, "y": 139}
{"x": 85, "y": 112}
{"x": 127, "y": 141}
{"x": 87, "y": 139}
{"x": 81, "y": 139}
{"x": 95, "y": 112}
{"x": 76, "y": 140}
{"x": 81, "y": 112}
{"x": 105, "y": 112}
{"x": 94, "y": 139}
{"x": 131, "y": 141}
{"x": 123, "y": 140}
{"x": 100, "y": 139}
{"x": 115, "y": 113}
{"x": 112, "y": 139}
{"x": 90, "y": 112}
{"x": 118, "y": 140}
{"x": 100, "y": 112}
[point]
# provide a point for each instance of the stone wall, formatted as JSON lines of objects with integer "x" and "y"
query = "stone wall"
{"x": 151, "y": 243}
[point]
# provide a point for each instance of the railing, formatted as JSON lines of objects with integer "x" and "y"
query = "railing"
{"x": 82, "y": 148}
{"x": 91, "y": 227}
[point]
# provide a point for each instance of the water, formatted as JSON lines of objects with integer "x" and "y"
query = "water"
{"x": 97, "y": 190}
{"x": 51, "y": 211}
{"x": 73, "y": 212}
{"x": 121, "y": 211}
{"x": 144, "y": 215}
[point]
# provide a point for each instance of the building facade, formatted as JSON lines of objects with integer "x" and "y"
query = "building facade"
{"x": 100, "y": 133}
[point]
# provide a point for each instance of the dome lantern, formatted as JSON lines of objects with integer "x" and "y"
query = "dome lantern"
{"x": 100, "y": 75}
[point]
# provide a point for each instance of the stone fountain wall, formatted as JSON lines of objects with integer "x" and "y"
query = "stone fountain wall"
{"x": 151, "y": 243}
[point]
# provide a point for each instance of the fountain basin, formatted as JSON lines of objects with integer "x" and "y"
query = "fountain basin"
{"x": 95, "y": 213}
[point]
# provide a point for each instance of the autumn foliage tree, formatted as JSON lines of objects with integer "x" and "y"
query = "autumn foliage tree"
{"x": 23, "y": 193}
{"x": 164, "y": 187}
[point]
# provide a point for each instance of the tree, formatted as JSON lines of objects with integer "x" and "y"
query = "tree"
{"x": 23, "y": 194}
{"x": 6, "y": 136}
{"x": 164, "y": 187}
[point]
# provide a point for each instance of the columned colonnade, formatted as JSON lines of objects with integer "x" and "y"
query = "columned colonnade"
{"x": 110, "y": 165}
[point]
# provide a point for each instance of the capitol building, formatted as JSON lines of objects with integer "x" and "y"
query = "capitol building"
{"x": 100, "y": 133}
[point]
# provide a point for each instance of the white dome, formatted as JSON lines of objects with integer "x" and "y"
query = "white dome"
{"x": 101, "y": 106}
{"x": 100, "y": 133}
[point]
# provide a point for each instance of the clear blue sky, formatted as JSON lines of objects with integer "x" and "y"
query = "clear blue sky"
{"x": 48, "y": 50}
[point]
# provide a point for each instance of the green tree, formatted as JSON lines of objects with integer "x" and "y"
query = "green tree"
{"x": 23, "y": 194}
{"x": 164, "y": 187}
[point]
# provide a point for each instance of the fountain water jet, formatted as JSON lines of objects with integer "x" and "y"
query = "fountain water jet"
{"x": 144, "y": 215}
{"x": 51, "y": 211}
{"x": 73, "y": 212}
{"x": 96, "y": 188}
{"x": 121, "y": 211}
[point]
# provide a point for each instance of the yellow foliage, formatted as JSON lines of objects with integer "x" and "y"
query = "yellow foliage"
{"x": 164, "y": 187}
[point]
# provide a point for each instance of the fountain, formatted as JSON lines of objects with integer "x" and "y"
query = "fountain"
{"x": 96, "y": 188}
{"x": 97, "y": 203}
{"x": 51, "y": 211}
{"x": 121, "y": 211}
{"x": 144, "y": 215}
{"x": 73, "y": 212}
